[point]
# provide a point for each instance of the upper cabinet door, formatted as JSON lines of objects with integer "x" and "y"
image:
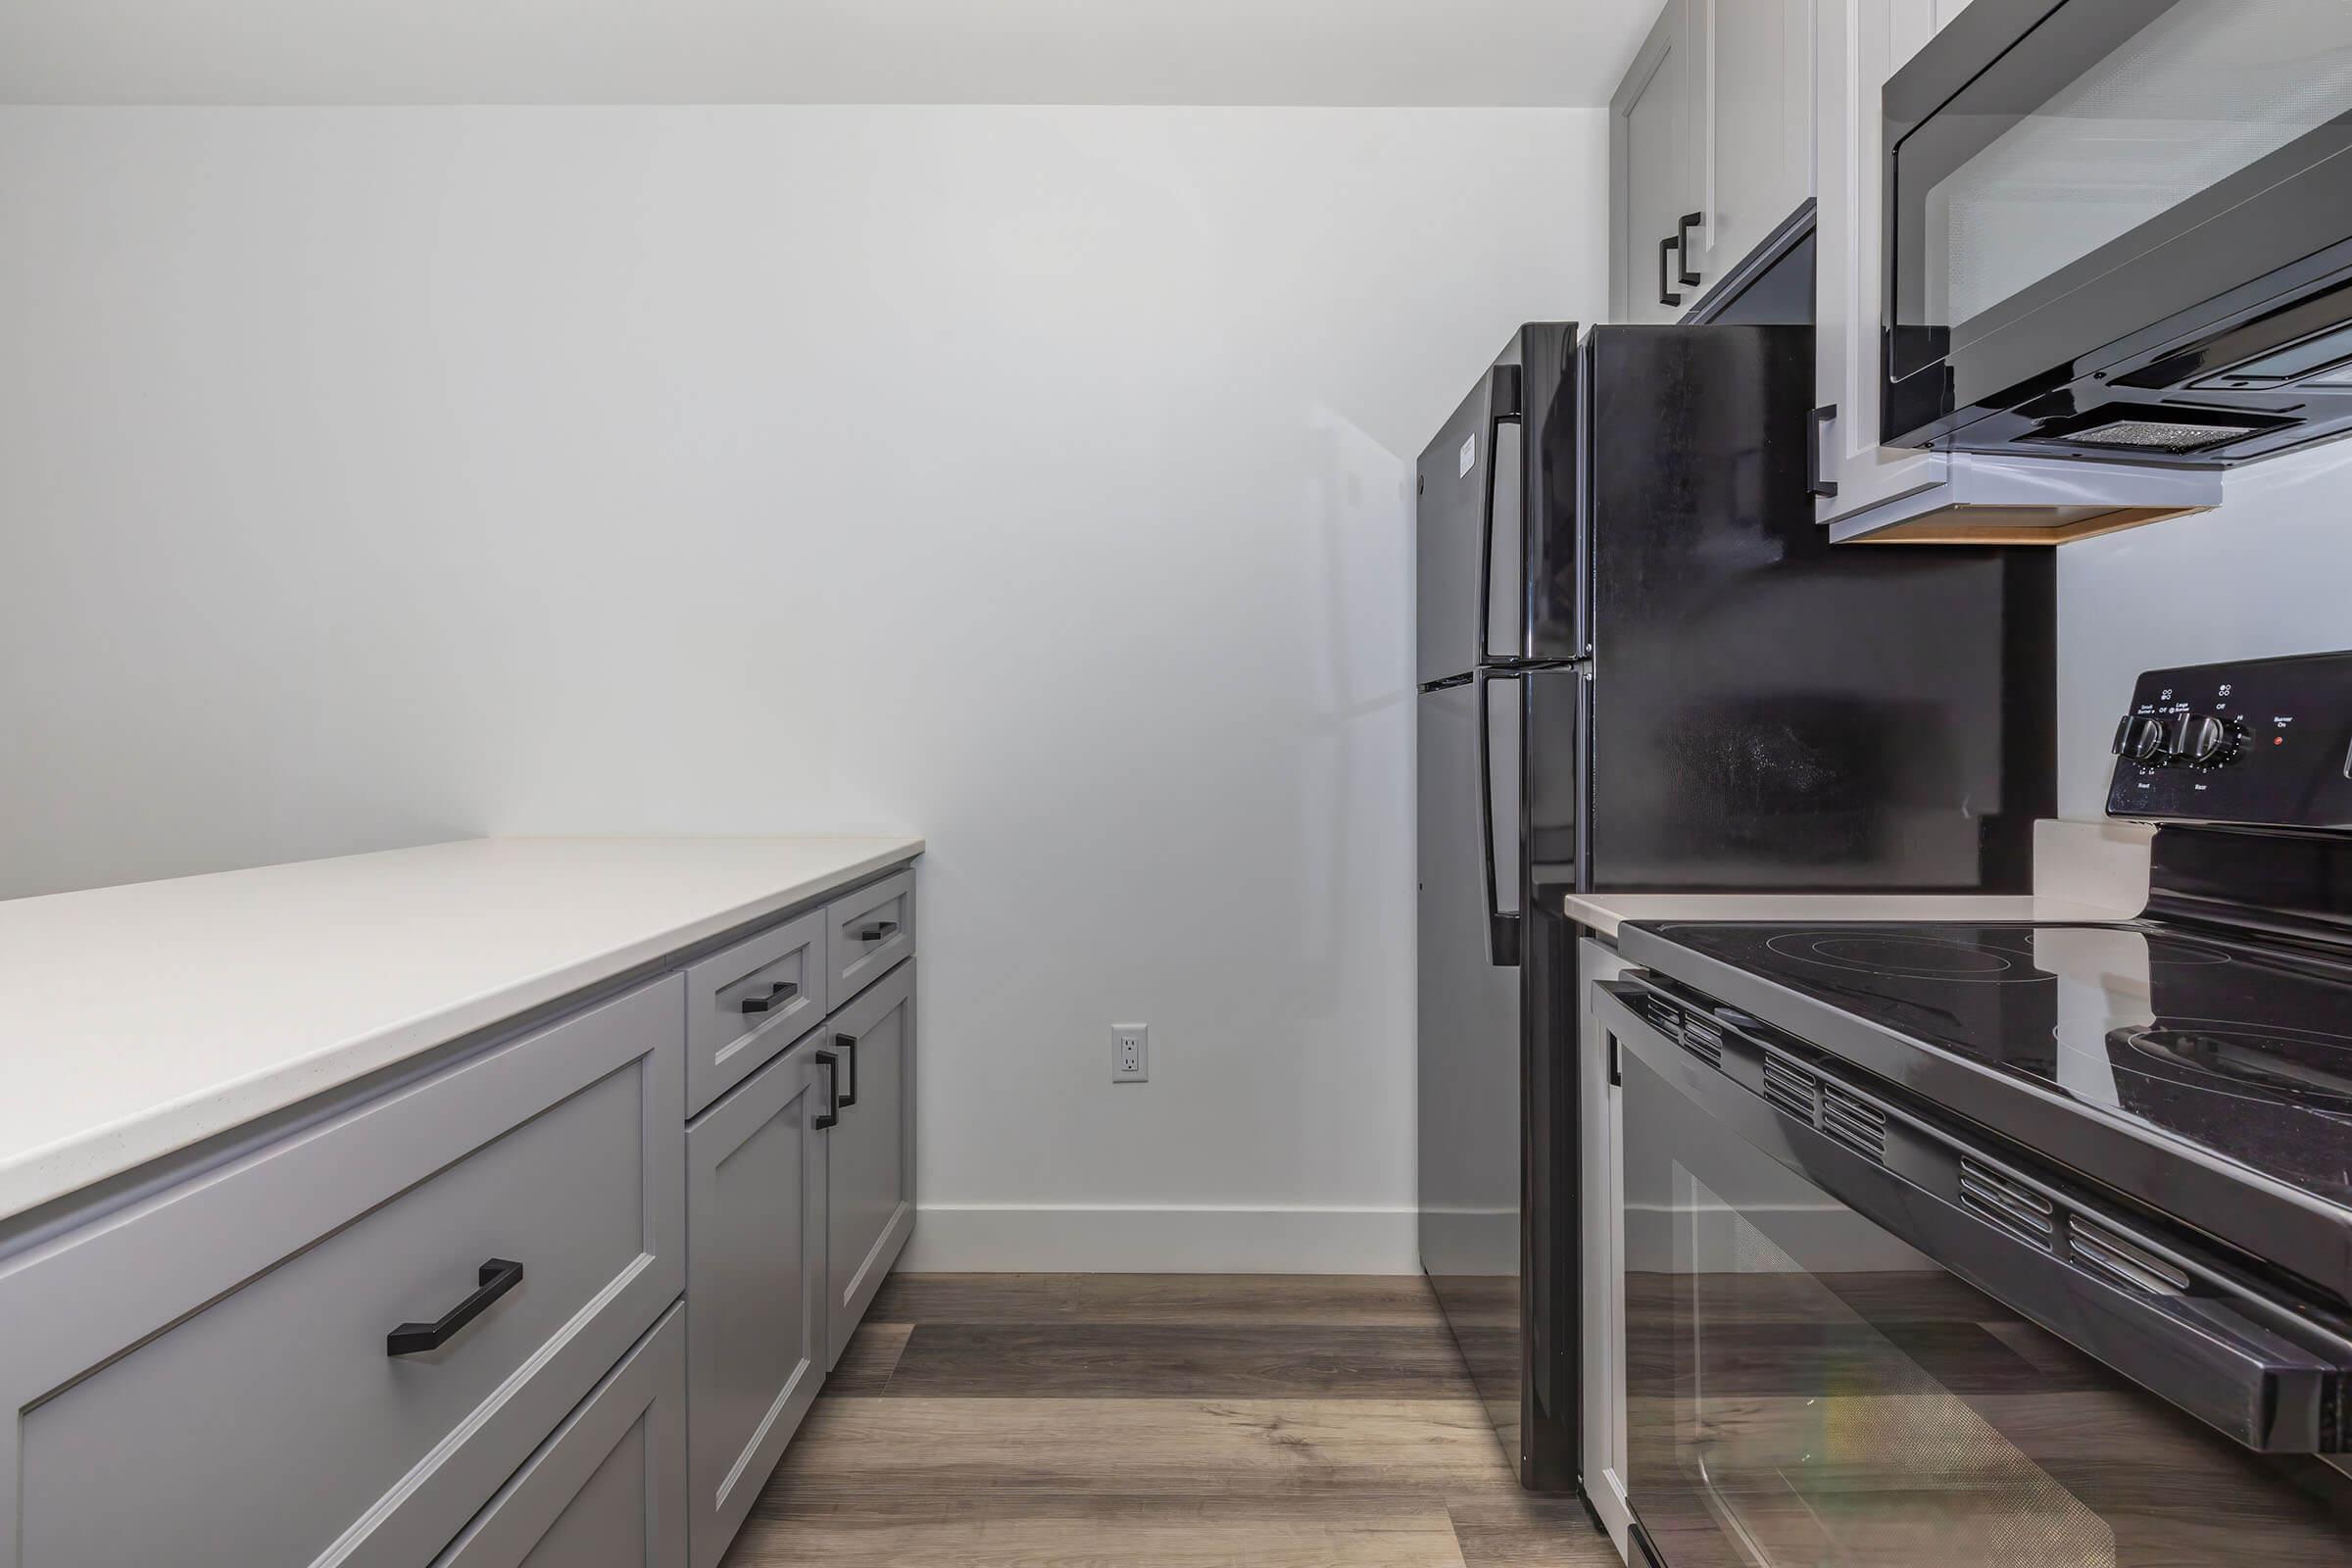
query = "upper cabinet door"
{"x": 1751, "y": 124}
{"x": 1650, "y": 185}
{"x": 1859, "y": 44}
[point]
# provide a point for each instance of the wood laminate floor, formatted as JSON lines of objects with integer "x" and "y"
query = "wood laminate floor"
{"x": 1008, "y": 1420}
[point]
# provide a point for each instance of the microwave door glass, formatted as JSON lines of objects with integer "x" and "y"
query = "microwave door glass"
{"x": 2033, "y": 182}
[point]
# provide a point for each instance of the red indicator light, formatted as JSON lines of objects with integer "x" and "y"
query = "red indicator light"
{"x": 2277, "y": 740}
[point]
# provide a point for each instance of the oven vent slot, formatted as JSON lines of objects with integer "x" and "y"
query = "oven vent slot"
{"x": 1665, "y": 1019}
{"x": 2105, "y": 1252}
{"x": 1791, "y": 1087}
{"x": 1702, "y": 1040}
{"x": 1855, "y": 1123}
{"x": 2020, "y": 1210}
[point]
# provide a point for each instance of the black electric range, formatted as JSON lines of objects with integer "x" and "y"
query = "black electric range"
{"x": 1944, "y": 1241}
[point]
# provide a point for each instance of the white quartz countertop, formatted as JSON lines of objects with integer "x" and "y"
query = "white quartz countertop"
{"x": 137, "y": 1021}
{"x": 2081, "y": 871}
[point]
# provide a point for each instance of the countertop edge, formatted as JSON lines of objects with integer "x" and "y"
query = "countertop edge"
{"x": 45, "y": 1173}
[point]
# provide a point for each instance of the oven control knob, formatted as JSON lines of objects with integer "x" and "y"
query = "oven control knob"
{"x": 2199, "y": 740}
{"x": 2139, "y": 739}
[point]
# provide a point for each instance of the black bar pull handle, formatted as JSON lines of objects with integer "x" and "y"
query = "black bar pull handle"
{"x": 1822, "y": 417}
{"x": 1502, "y": 408}
{"x": 1502, "y": 929}
{"x": 831, "y": 1114}
{"x": 1682, "y": 226}
{"x": 847, "y": 1044}
{"x": 498, "y": 1276}
{"x": 782, "y": 992}
{"x": 878, "y": 931}
{"x": 1666, "y": 294}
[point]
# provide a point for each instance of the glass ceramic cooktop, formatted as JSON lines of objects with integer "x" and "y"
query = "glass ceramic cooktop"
{"x": 2243, "y": 1049}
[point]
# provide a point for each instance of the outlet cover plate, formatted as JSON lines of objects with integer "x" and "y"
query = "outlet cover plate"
{"x": 1130, "y": 1053}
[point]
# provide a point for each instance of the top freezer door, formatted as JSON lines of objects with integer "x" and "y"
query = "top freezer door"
{"x": 1495, "y": 517}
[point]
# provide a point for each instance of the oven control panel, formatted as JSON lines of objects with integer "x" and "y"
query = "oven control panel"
{"x": 2261, "y": 742}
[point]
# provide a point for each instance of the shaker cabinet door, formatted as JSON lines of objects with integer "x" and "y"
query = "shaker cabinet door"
{"x": 1650, "y": 188}
{"x": 1751, "y": 125}
{"x": 869, "y": 1152}
{"x": 755, "y": 1285}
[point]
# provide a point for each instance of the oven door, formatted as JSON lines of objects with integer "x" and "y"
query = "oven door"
{"x": 1806, "y": 1387}
{"x": 2073, "y": 184}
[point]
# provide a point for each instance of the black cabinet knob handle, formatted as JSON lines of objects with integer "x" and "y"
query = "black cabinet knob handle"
{"x": 831, "y": 1114}
{"x": 498, "y": 1276}
{"x": 848, "y": 1045}
{"x": 1666, "y": 293}
{"x": 1682, "y": 226}
{"x": 878, "y": 931}
{"x": 782, "y": 992}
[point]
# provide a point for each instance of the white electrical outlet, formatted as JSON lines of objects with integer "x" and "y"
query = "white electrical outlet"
{"x": 1130, "y": 1053}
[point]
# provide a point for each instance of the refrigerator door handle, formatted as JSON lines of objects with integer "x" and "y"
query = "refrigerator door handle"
{"x": 1502, "y": 929}
{"x": 1502, "y": 408}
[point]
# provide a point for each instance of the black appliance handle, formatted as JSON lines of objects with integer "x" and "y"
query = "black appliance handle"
{"x": 848, "y": 1045}
{"x": 2254, "y": 1369}
{"x": 1502, "y": 408}
{"x": 496, "y": 1278}
{"x": 1822, "y": 417}
{"x": 879, "y": 930}
{"x": 1666, "y": 293}
{"x": 831, "y": 1114}
{"x": 1682, "y": 226}
{"x": 782, "y": 992}
{"x": 1502, "y": 929}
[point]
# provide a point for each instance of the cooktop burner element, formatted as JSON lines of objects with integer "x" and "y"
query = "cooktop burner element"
{"x": 1904, "y": 954}
{"x": 2283, "y": 1066}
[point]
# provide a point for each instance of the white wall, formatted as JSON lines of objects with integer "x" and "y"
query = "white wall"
{"x": 1035, "y": 479}
{"x": 2263, "y": 573}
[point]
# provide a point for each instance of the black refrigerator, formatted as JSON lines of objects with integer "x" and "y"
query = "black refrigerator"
{"x": 1641, "y": 668}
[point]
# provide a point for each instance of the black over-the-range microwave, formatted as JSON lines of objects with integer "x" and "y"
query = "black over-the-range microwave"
{"x": 2122, "y": 229}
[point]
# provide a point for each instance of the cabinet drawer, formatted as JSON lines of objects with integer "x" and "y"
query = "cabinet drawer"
{"x": 750, "y": 1002}
{"x": 868, "y": 931}
{"x": 608, "y": 1489}
{"x": 206, "y": 1378}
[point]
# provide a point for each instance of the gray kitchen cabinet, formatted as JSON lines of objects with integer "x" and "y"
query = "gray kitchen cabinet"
{"x": 756, "y": 1286}
{"x": 1751, "y": 124}
{"x": 336, "y": 1345}
{"x": 609, "y": 1489}
{"x": 1859, "y": 43}
{"x": 1711, "y": 148}
{"x": 752, "y": 1000}
{"x": 869, "y": 931}
{"x": 1649, "y": 175}
{"x": 869, "y": 1150}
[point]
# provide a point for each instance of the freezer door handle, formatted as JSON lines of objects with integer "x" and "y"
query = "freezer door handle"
{"x": 1502, "y": 408}
{"x": 1503, "y": 928}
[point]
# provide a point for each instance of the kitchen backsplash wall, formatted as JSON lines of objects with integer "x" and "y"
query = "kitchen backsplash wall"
{"x": 1036, "y": 480}
{"x": 2260, "y": 574}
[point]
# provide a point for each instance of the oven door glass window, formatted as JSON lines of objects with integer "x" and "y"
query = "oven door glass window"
{"x": 1805, "y": 1391}
{"x": 2111, "y": 129}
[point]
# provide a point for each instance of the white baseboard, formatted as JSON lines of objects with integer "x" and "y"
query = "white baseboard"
{"x": 1017, "y": 1239}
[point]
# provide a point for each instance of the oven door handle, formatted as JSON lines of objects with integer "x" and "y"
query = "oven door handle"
{"x": 2183, "y": 1330}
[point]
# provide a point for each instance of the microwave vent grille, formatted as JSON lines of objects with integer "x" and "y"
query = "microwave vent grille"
{"x": 2018, "y": 1210}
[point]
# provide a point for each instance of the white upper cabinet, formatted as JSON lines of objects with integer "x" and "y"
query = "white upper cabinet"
{"x": 1711, "y": 148}
{"x": 1858, "y": 44}
{"x": 1650, "y": 176}
{"x": 1751, "y": 123}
